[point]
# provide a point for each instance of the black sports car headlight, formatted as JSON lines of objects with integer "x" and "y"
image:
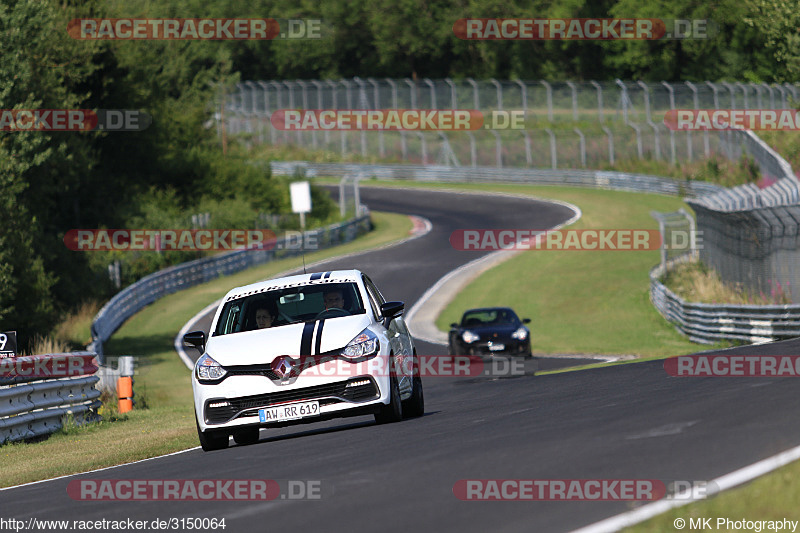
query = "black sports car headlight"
{"x": 521, "y": 334}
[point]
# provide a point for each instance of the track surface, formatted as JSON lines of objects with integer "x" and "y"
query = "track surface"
{"x": 625, "y": 422}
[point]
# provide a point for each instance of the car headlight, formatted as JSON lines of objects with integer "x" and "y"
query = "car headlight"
{"x": 365, "y": 343}
{"x": 521, "y": 334}
{"x": 207, "y": 369}
{"x": 468, "y": 336}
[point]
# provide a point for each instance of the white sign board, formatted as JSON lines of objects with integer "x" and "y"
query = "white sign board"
{"x": 301, "y": 196}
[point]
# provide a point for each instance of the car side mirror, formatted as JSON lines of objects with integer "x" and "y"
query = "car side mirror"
{"x": 454, "y": 325}
{"x": 526, "y": 320}
{"x": 390, "y": 310}
{"x": 196, "y": 339}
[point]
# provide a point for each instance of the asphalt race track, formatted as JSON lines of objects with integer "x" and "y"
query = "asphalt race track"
{"x": 625, "y": 422}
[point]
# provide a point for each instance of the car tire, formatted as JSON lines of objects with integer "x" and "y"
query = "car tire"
{"x": 415, "y": 405}
{"x": 393, "y": 411}
{"x": 211, "y": 440}
{"x": 246, "y": 436}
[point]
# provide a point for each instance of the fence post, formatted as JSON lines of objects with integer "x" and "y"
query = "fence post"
{"x": 553, "y": 159}
{"x": 499, "y": 93}
{"x": 475, "y": 96}
{"x": 498, "y": 148}
{"x": 473, "y": 156}
{"x": 732, "y": 92}
{"x": 412, "y": 87}
{"x": 549, "y": 101}
{"x": 393, "y": 85}
{"x": 623, "y": 99}
{"x": 424, "y": 148}
{"x": 320, "y": 105}
{"x": 646, "y": 93}
{"x": 671, "y": 90}
{"x": 376, "y": 92}
{"x": 524, "y": 90}
{"x": 433, "y": 92}
{"x": 639, "y": 148}
{"x": 574, "y": 100}
{"x": 582, "y": 146}
{"x": 453, "y": 100}
{"x": 342, "y": 202}
{"x": 610, "y": 145}
{"x": 528, "y": 155}
{"x": 599, "y": 100}
{"x": 744, "y": 93}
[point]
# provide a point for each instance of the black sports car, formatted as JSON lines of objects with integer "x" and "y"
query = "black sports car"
{"x": 490, "y": 331}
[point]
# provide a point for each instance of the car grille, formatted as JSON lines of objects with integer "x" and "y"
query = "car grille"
{"x": 327, "y": 394}
{"x": 253, "y": 370}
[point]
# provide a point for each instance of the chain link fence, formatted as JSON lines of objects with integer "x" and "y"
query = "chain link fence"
{"x": 567, "y": 124}
{"x": 750, "y": 233}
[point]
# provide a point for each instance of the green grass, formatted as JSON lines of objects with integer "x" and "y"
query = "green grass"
{"x": 167, "y": 425}
{"x": 770, "y": 497}
{"x": 579, "y": 302}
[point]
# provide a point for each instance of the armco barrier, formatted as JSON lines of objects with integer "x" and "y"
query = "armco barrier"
{"x": 710, "y": 323}
{"x": 704, "y": 323}
{"x": 32, "y": 403}
{"x": 172, "y": 279}
{"x": 596, "y": 179}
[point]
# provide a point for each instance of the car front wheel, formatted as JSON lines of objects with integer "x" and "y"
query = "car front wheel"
{"x": 393, "y": 411}
{"x": 211, "y": 440}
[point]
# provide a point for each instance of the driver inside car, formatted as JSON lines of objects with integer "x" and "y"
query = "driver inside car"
{"x": 333, "y": 300}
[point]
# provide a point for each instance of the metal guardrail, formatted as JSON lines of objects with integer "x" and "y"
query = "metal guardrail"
{"x": 172, "y": 279}
{"x": 581, "y": 178}
{"x": 35, "y": 404}
{"x": 710, "y": 323}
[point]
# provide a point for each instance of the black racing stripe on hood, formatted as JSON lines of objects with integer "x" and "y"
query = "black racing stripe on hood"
{"x": 327, "y": 275}
{"x": 305, "y": 340}
{"x": 316, "y": 276}
{"x": 319, "y": 336}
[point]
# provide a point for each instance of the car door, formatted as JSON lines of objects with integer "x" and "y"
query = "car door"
{"x": 399, "y": 338}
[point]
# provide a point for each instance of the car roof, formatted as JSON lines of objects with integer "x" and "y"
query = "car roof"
{"x": 300, "y": 280}
{"x": 484, "y": 309}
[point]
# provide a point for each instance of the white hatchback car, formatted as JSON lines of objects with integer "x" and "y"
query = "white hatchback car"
{"x": 302, "y": 349}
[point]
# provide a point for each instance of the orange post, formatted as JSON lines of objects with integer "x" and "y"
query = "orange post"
{"x": 125, "y": 394}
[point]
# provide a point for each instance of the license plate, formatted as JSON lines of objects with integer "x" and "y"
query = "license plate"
{"x": 496, "y": 347}
{"x": 289, "y": 411}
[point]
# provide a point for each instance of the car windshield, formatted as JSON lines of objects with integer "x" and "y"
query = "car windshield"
{"x": 489, "y": 317}
{"x": 285, "y": 306}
